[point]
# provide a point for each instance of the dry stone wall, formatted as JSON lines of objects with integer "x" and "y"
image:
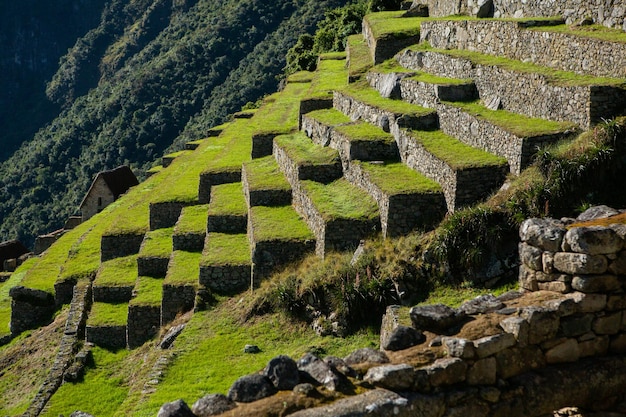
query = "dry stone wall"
{"x": 118, "y": 246}
{"x": 143, "y": 324}
{"x": 226, "y": 279}
{"x": 208, "y": 179}
{"x": 176, "y": 299}
{"x": 165, "y": 214}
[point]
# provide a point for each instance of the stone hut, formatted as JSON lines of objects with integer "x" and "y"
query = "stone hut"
{"x": 105, "y": 189}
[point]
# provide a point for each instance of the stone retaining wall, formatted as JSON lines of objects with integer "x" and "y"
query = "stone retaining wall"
{"x": 295, "y": 173}
{"x": 144, "y": 322}
{"x": 550, "y": 49}
{"x": 227, "y": 224}
{"x": 381, "y": 49}
{"x": 308, "y": 105}
{"x": 177, "y": 299}
{"x": 165, "y": 214}
{"x": 208, "y": 179}
{"x": 530, "y": 94}
{"x": 110, "y": 337}
{"x": 30, "y": 308}
{"x": 152, "y": 266}
{"x": 118, "y": 246}
{"x": 429, "y": 95}
{"x": 106, "y": 294}
{"x": 190, "y": 242}
{"x": 64, "y": 291}
{"x": 226, "y": 279}
{"x": 262, "y": 144}
{"x": 267, "y": 197}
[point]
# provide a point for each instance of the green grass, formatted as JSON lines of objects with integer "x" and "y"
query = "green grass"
{"x": 553, "y": 76}
{"x": 365, "y": 132}
{"x": 237, "y": 148}
{"x": 520, "y": 125}
{"x": 154, "y": 170}
{"x": 118, "y": 272}
{"x": 592, "y": 31}
{"x": 227, "y": 199}
{"x": 184, "y": 268}
{"x": 304, "y": 152}
{"x": 397, "y": 178}
{"x": 175, "y": 155}
{"x": 341, "y": 200}
{"x": 157, "y": 244}
{"x": 360, "y": 58}
{"x": 362, "y": 92}
{"x": 455, "y": 153}
{"x": 192, "y": 219}
{"x": 264, "y": 174}
{"x": 102, "y": 391}
{"x": 107, "y": 314}
{"x": 300, "y": 77}
{"x": 392, "y": 25}
{"x": 226, "y": 249}
{"x": 278, "y": 223}
{"x": 329, "y": 117}
{"x": 326, "y": 56}
{"x": 281, "y": 115}
{"x": 392, "y": 66}
{"x": 5, "y": 299}
{"x": 197, "y": 142}
{"x": 149, "y": 292}
{"x": 330, "y": 75}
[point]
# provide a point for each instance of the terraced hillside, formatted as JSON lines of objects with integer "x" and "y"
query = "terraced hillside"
{"x": 415, "y": 121}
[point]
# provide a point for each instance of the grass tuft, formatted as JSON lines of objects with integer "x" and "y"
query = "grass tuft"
{"x": 226, "y": 249}
{"x": 341, "y": 200}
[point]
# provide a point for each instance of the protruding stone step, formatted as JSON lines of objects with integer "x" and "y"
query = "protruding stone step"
{"x": 264, "y": 184}
{"x": 278, "y": 236}
{"x": 190, "y": 229}
{"x": 514, "y": 85}
{"x": 339, "y": 214}
{"x": 387, "y": 33}
{"x": 154, "y": 254}
{"x": 106, "y": 325}
{"x": 225, "y": 266}
{"x": 406, "y": 199}
{"x": 353, "y": 140}
{"x": 144, "y": 311}
{"x": 180, "y": 285}
{"x": 466, "y": 174}
{"x": 115, "y": 280}
{"x": 300, "y": 159}
{"x": 227, "y": 211}
{"x": 358, "y": 101}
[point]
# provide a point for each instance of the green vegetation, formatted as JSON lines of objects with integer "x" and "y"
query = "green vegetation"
{"x": 184, "y": 268}
{"x": 392, "y": 66}
{"x": 365, "y": 132}
{"x": 341, "y": 200}
{"x": 5, "y": 299}
{"x": 278, "y": 223}
{"x": 192, "y": 219}
{"x": 106, "y": 314}
{"x": 397, "y": 178}
{"x": 226, "y": 249}
{"x": 300, "y": 77}
{"x": 362, "y": 92}
{"x": 175, "y": 155}
{"x": 281, "y": 115}
{"x": 330, "y": 75}
{"x": 360, "y": 59}
{"x": 118, "y": 272}
{"x": 238, "y": 148}
{"x": 302, "y": 151}
{"x": 591, "y": 31}
{"x": 149, "y": 291}
{"x": 393, "y": 25}
{"x": 517, "y": 124}
{"x": 265, "y": 174}
{"x": 227, "y": 199}
{"x": 157, "y": 244}
{"x": 329, "y": 117}
{"x": 455, "y": 153}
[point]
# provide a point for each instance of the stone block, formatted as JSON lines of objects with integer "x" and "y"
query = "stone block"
{"x": 618, "y": 265}
{"x": 607, "y": 324}
{"x": 531, "y": 256}
{"x": 518, "y": 327}
{"x": 576, "y": 325}
{"x": 596, "y": 283}
{"x": 596, "y": 346}
{"x": 555, "y": 286}
{"x": 567, "y": 351}
{"x": 481, "y": 305}
{"x": 545, "y": 234}
{"x": 594, "y": 240}
{"x": 547, "y": 262}
{"x": 527, "y": 279}
{"x": 459, "y": 348}
{"x": 543, "y": 324}
{"x": 588, "y": 303}
{"x": 490, "y": 345}
{"x": 580, "y": 263}
{"x": 435, "y": 318}
{"x": 616, "y": 302}
{"x": 618, "y": 344}
{"x": 482, "y": 372}
{"x": 446, "y": 371}
{"x": 394, "y": 377}
{"x": 563, "y": 306}
{"x": 518, "y": 360}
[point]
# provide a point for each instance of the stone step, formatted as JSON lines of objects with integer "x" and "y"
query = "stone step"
{"x": 264, "y": 184}
{"x": 144, "y": 311}
{"x": 512, "y": 136}
{"x": 525, "y": 88}
{"x": 339, "y": 214}
{"x": 277, "y": 236}
{"x": 106, "y": 325}
{"x": 387, "y": 33}
{"x": 225, "y": 266}
{"x": 353, "y": 140}
{"x": 154, "y": 253}
{"x": 190, "y": 230}
{"x": 180, "y": 285}
{"x": 358, "y": 101}
{"x": 406, "y": 199}
{"x": 584, "y": 50}
{"x": 466, "y": 174}
{"x": 228, "y": 212}
{"x": 115, "y": 280}
{"x": 300, "y": 159}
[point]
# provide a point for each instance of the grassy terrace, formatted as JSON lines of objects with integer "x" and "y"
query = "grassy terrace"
{"x": 396, "y": 178}
{"x": 175, "y": 155}
{"x": 227, "y": 199}
{"x": 5, "y": 300}
{"x": 154, "y": 170}
{"x": 192, "y": 219}
{"x": 302, "y": 151}
{"x": 149, "y": 291}
{"x": 341, "y": 200}
{"x": 119, "y": 272}
{"x": 236, "y": 149}
{"x": 393, "y": 25}
{"x": 392, "y": 66}
{"x": 281, "y": 115}
{"x": 517, "y": 124}
{"x": 455, "y": 153}
{"x": 157, "y": 244}
{"x": 360, "y": 58}
{"x": 183, "y": 269}
{"x": 278, "y": 223}
{"x": 331, "y": 74}
{"x": 329, "y": 117}
{"x": 226, "y": 249}
{"x": 105, "y": 314}
{"x": 301, "y": 77}
{"x": 264, "y": 174}
{"x": 592, "y": 31}
{"x": 365, "y": 94}
{"x": 365, "y": 132}
{"x": 557, "y": 77}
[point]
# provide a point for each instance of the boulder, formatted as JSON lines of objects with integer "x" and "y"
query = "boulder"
{"x": 446, "y": 371}
{"x": 482, "y": 372}
{"x": 580, "y": 263}
{"x": 251, "y": 388}
{"x": 340, "y": 365}
{"x": 597, "y": 212}
{"x": 80, "y": 414}
{"x": 543, "y": 324}
{"x": 437, "y": 318}
{"x": 531, "y": 256}
{"x": 283, "y": 372}
{"x": 212, "y": 405}
{"x": 417, "y": 10}
{"x": 482, "y": 304}
{"x": 366, "y": 355}
{"x": 178, "y": 408}
{"x": 459, "y": 348}
{"x": 596, "y": 283}
{"x": 567, "y": 351}
{"x": 545, "y": 234}
{"x": 171, "y": 336}
{"x": 490, "y": 345}
{"x": 320, "y": 372}
{"x": 402, "y": 337}
{"x": 394, "y": 377}
{"x": 595, "y": 240}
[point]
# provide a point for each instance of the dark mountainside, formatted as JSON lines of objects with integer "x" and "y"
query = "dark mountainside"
{"x": 146, "y": 78}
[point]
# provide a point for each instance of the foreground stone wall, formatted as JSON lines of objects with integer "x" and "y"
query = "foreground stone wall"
{"x": 117, "y": 246}
{"x": 165, "y": 214}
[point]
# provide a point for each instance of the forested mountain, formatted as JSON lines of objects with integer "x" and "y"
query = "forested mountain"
{"x": 147, "y": 76}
